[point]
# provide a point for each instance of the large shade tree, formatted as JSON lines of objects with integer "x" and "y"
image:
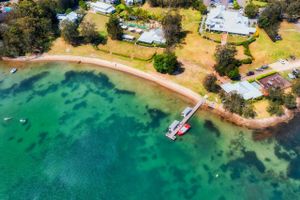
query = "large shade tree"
{"x": 113, "y": 28}
{"x": 172, "y": 27}
{"x": 31, "y": 28}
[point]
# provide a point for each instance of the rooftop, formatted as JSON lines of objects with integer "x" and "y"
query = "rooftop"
{"x": 220, "y": 19}
{"x": 72, "y": 16}
{"x": 275, "y": 80}
{"x": 153, "y": 36}
{"x": 244, "y": 88}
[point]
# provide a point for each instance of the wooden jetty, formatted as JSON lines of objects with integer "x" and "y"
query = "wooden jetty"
{"x": 172, "y": 134}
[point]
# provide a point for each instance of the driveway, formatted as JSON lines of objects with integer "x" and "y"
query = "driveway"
{"x": 277, "y": 66}
{"x": 289, "y": 65}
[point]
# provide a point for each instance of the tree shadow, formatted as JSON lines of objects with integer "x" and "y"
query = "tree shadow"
{"x": 179, "y": 70}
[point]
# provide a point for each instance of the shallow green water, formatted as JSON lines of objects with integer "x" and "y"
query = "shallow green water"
{"x": 93, "y": 133}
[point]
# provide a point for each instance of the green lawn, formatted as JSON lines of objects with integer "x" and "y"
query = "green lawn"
{"x": 265, "y": 51}
{"x": 99, "y": 20}
{"x": 260, "y": 3}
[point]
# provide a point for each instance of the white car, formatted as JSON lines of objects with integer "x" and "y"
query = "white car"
{"x": 282, "y": 61}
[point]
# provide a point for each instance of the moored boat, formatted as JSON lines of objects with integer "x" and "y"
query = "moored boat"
{"x": 13, "y": 70}
{"x": 7, "y": 118}
{"x": 184, "y": 129}
{"x": 23, "y": 121}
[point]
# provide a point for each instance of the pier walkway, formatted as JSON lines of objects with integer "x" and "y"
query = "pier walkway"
{"x": 172, "y": 134}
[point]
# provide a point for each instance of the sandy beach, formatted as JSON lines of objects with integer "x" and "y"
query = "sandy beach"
{"x": 193, "y": 96}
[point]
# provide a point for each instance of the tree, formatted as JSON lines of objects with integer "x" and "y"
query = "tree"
{"x": 236, "y": 5}
{"x": 113, "y": 28}
{"x": 276, "y": 95}
{"x": 31, "y": 29}
{"x": 83, "y": 5}
{"x": 225, "y": 54}
{"x": 275, "y": 108}
{"x": 210, "y": 83}
{"x": 270, "y": 19}
{"x": 89, "y": 33}
{"x": 63, "y": 5}
{"x": 226, "y": 62}
{"x": 202, "y": 8}
{"x": 248, "y": 111}
{"x": 296, "y": 87}
{"x": 69, "y": 32}
{"x": 251, "y": 10}
{"x": 290, "y": 101}
{"x": 293, "y": 11}
{"x": 166, "y": 63}
{"x": 171, "y": 24}
{"x": 234, "y": 103}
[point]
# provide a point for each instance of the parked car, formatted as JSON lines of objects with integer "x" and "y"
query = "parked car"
{"x": 259, "y": 69}
{"x": 250, "y": 73}
{"x": 291, "y": 76}
{"x": 296, "y": 72}
{"x": 264, "y": 67}
{"x": 282, "y": 61}
{"x": 278, "y": 37}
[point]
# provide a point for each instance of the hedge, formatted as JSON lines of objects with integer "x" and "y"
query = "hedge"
{"x": 265, "y": 75}
{"x": 246, "y": 61}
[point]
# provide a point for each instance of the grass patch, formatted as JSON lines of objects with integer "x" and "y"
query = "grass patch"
{"x": 265, "y": 51}
{"x": 260, "y": 4}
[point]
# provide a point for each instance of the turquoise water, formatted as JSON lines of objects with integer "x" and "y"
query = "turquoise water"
{"x": 93, "y": 133}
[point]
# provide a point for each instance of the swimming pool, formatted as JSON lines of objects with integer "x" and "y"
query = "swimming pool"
{"x": 7, "y": 9}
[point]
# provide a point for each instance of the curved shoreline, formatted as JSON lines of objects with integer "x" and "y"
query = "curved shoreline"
{"x": 219, "y": 110}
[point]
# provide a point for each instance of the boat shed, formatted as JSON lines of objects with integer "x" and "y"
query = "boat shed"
{"x": 101, "y": 7}
{"x": 173, "y": 126}
{"x": 243, "y": 88}
{"x": 186, "y": 111}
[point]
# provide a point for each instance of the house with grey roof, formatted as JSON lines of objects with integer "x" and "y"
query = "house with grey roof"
{"x": 231, "y": 21}
{"x": 101, "y": 7}
{"x": 243, "y": 88}
{"x": 153, "y": 36}
{"x": 72, "y": 17}
{"x": 224, "y": 2}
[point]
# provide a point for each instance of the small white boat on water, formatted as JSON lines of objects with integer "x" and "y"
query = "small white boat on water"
{"x": 7, "y": 118}
{"x": 23, "y": 121}
{"x": 13, "y": 70}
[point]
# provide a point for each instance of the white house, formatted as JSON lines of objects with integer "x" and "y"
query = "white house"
{"x": 153, "y": 36}
{"x": 231, "y": 21}
{"x": 72, "y": 17}
{"x": 132, "y": 2}
{"x": 102, "y": 7}
{"x": 243, "y": 88}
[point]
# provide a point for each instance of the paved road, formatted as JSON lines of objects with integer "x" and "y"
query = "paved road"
{"x": 277, "y": 66}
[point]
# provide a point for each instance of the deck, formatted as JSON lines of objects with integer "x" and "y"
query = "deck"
{"x": 172, "y": 134}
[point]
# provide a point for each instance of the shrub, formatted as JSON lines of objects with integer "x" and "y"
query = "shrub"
{"x": 246, "y": 61}
{"x": 248, "y": 111}
{"x": 290, "y": 101}
{"x": 296, "y": 87}
{"x": 210, "y": 83}
{"x": 276, "y": 95}
{"x": 265, "y": 75}
{"x": 166, "y": 63}
{"x": 275, "y": 108}
{"x": 251, "y": 10}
